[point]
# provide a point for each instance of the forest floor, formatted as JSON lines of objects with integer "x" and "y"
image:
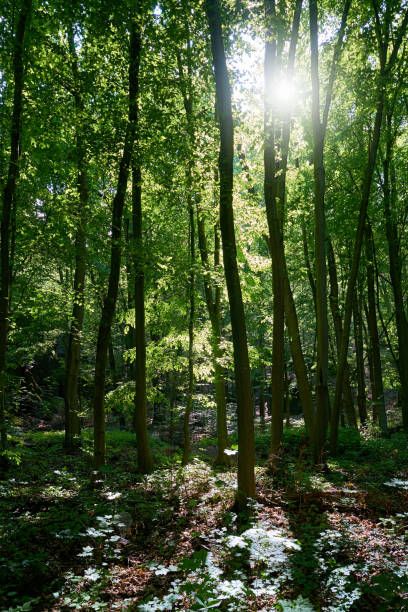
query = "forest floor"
{"x": 315, "y": 540}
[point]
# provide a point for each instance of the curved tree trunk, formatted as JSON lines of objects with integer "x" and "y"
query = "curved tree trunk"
{"x": 109, "y": 304}
{"x": 246, "y": 453}
{"x": 365, "y": 196}
{"x": 385, "y": 69}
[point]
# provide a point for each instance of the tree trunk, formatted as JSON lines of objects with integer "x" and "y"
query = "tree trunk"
{"x": 271, "y": 182}
{"x": 144, "y": 455}
{"x": 212, "y": 294}
{"x": 213, "y": 302}
{"x": 378, "y": 391}
{"x": 287, "y": 398}
{"x": 72, "y": 422}
{"x": 358, "y": 340}
{"x": 272, "y": 192}
{"x": 191, "y": 288}
{"x": 246, "y": 453}
{"x": 395, "y": 263}
{"x": 385, "y": 69}
{"x": 109, "y": 304}
{"x": 9, "y": 195}
{"x": 322, "y": 393}
{"x": 347, "y": 398}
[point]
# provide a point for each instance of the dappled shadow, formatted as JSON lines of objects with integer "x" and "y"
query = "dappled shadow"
{"x": 307, "y": 519}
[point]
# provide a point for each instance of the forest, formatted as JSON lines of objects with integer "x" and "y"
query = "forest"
{"x": 204, "y": 305}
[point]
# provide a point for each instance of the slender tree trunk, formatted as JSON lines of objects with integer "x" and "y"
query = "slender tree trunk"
{"x": 275, "y": 188}
{"x": 187, "y": 93}
{"x": 358, "y": 340}
{"x": 144, "y": 455}
{"x": 378, "y": 390}
{"x": 299, "y": 364}
{"x": 385, "y": 69}
{"x": 395, "y": 263}
{"x": 9, "y": 197}
{"x": 347, "y": 398}
{"x": 109, "y": 304}
{"x": 287, "y": 398}
{"x": 322, "y": 393}
{"x": 72, "y": 422}
{"x": 246, "y": 453}
{"x": 307, "y": 264}
{"x": 219, "y": 370}
{"x": 213, "y": 301}
{"x": 191, "y": 289}
{"x": 372, "y": 154}
{"x": 271, "y": 182}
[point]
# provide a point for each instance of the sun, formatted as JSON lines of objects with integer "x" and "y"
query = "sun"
{"x": 284, "y": 94}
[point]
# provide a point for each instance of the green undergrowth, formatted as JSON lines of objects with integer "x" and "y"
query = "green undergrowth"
{"x": 332, "y": 538}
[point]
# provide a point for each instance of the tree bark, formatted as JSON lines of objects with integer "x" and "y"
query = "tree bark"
{"x": 271, "y": 182}
{"x": 322, "y": 392}
{"x": 213, "y": 302}
{"x": 365, "y": 196}
{"x": 246, "y": 453}
{"x": 358, "y": 340}
{"x": 385, "y": 69}
{"x": 72, "y": 422}
{"x": 144, "y": 455}
{"x": 395, "y": 265}
{"x": 191, "y": 314}
{"x": 347, "y": 398}
{"x": 378, "y": 390}
{"x": 9, "y": 195}
{"x": 212, "y": 294}
{"x": 109, "y": 304}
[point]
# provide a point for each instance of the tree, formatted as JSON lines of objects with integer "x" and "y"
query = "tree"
{"x": 109, "y": 303}
{"x": 386, "y": 64}
{"x": 9, "y": 202}
{"x": 72, "y": 423}
{"x": 246, "y": 452}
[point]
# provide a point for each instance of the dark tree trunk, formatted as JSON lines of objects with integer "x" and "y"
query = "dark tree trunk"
{"x": 378, "y": 390}
{"x": 358, "y": 340}
{"x": 72, "y": 422}
{"x": 109, "y": 304}
{"x": 385, "y": 68}
{"x": 322, "y": 393}
{"x": 212, "y": 298}
{"x": 191, "y": 289}
{"x": 347, "y": 398}
{"x": 9, "y": 202}
{"x": 246, "y": 453}
{"x": 271, "y": 182}
{"x": 212, "y": 294}
{"x": 144, "y": 455}
{"x": 396, "y": 271}
{"x": 275, "y": 188}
